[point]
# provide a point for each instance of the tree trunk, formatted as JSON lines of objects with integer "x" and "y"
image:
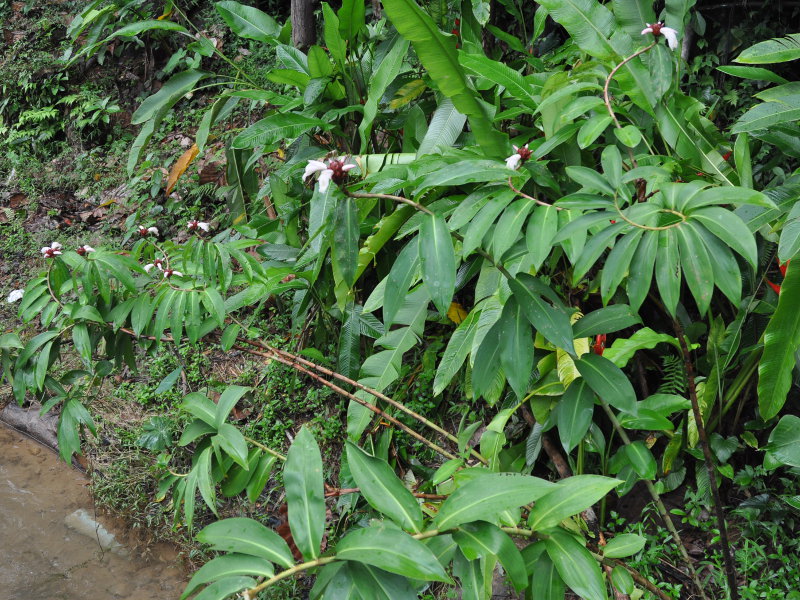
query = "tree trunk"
{"x": 304, "y": 30}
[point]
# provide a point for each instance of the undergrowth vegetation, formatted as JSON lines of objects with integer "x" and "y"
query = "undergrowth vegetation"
{"x": 465, "y": 295}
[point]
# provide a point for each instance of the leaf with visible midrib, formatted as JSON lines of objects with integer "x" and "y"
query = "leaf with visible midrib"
{"x": 487, "y": 496}
{"x": 781, "y": 341}
{"x": 247, "y": 536}
{"x": 391, "y": 550}
{"x": 438, "y": 261}
{"x": 437, "y": 54}
{"x": 383, "y": 489}
{"x": 302, "y": 477}
{"x": 248, "y": 22}
{"x": 571, "y": 496}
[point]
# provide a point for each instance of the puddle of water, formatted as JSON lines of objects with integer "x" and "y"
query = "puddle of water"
{"x": 51, "y": 551}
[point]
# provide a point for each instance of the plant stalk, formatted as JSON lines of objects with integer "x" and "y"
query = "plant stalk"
{"x": 730, "y": 568}
{"x": 662, "y": 510}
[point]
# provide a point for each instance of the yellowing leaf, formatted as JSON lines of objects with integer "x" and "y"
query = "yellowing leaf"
{"x": 456, "y": 313}
{"x": 180, "y": 167}
{"x": 167, "y": 14}
{"x": 407, "y": 93}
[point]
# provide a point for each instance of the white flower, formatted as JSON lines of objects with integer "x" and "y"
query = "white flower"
{"x": 158, "y": 262}
{"x": 521, "y": 154}
{"x": 170, "y": 272}
{"x": 512, "y": 162}
{"x": 145, "y": 231}
{"x": 195, "y": 224}
{"x": 335, "y": 171}
{"x": 314, "y": 166}
{"x": 52, "y": 250}
{"x": 85, "y": 249}
{"x": 669, "y": 33}
{"x": 15, "y": 295}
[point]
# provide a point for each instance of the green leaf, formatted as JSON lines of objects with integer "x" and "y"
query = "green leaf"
{"x": 458, "y": 347}
{"x": 400, "y": 278}
{"x": 202, "y": 470}
{"x": 487, "y": 496}
{"x": 169, "y": 381}
{"x": 471, "y": 576}
{"x": 224, "y": 588}
{"x": 618, "y": 263}
{"x": 259, "y": 477}
{"x": 776, "y": 50}
{"x": 784, "y": 441}
{"x": 391, "y": 550}
{"x": 591, "y": 129}
{"x": 351, "y": 19}
{"x": 696, "y": 265}
{"x": 276, "y": 128}
{"x": 668, "y": 273}
{"x": 302, "y": 477}
{"x": 386, "y": 72}
{"x": 789, "y": 244}
{"x": 753, "y": 73}
{"x": 590, "y": 179}
{"x": 249, "y": 22}
{"x": 605, "y": 320}
{"x": 486, "y": 540}
{"x": 247, "y": 536}
{"x": 729, "y": 228}
{"x": 575, "y": 564}
{"x": 510, "y": 224}
{"x": 214, "y": 304}
{"x": 330, "y": 31}
{"x": 588, "y": 22}
{"x": 516, "y": 347}
{"x": 622, "y": 580}
{"x": 200, "y": 406}
{"x": 607, "y": 381}
{"x": 438, "y": 261}
{"x": 33, "y": 345}
{"x": 781, "y": 341}
{"x": 574, "y": 414}
{"x": 373, "y": 583}
{"x": 438, "y": 55}
{"x": 383, "y": 489}
{"x": 542, "y": 228}
{"x": 546, "y": 583}
{"x": 624, "y": 545}
{"x": 499, "y": 74}
{"x": 232, "y": 441}
{"x": 768, "y": 114}
{"x": 227, "y": 401}
{"x": 227, "y": 566}
{"x": 629, "y": 135}
{"x": 345, "y": 240}
{"x": 549, "y": 320}
{"x": 82, "y": 341}
{"x": 446, "y": 125}
{"x": 623, "y": 349}
{"x": 641, "y": 459}
{"x": 166, "y": 97}
{"x": 570, "y": 497}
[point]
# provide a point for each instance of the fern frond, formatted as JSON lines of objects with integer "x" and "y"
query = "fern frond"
{"x": 673, "y": 380}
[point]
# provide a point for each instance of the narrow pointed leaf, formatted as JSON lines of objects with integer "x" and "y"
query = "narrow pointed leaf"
{"x": 383, "y": 489}
{"x": 302, "y": 476}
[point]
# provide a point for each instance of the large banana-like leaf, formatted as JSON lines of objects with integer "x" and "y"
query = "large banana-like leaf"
{"x": 781, "y": 341}
{"x": 772, "y": 51}
{"x": 437, "y": 52}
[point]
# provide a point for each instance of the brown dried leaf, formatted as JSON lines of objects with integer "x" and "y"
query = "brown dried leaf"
{"x": 180, "y": 167}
